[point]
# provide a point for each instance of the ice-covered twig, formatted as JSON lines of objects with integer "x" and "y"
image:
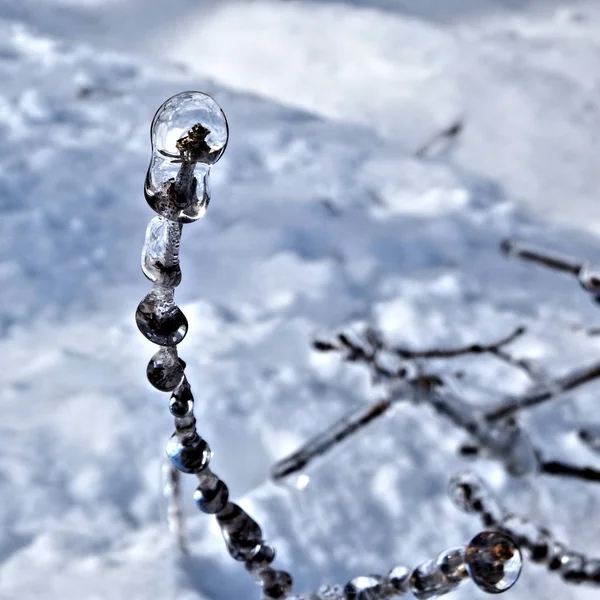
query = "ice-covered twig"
{"x": 529, "y": 253}
{"x": 441, "y": 140}
{"x": 371, "y": 349}
{"x": 587, "y": 274}
{"x": 172, "y": 493}
{"x": 333, "y": 435}
{"x": 545, "y": 392}
{"x": 555, "y": 467}
{"x": 189, "y": 134}
{"x": 470, "y": 494}
{"x": 504, "y": 440}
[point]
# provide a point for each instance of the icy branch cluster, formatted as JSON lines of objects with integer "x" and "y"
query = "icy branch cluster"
{"x": 470, "y": 494}
{"x": 189, "y": 134}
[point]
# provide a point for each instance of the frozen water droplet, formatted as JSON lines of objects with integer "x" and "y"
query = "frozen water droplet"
{"x": 371, "y": 587}
{"x": 159, "y": 319}
{"x": 189, "y": 134}
{"x": 164, "y": 371}
{"x": 160, "y": 254}
{"x": 398, "y": 579}
{"x": 493, "y": 561}
{"x": 190, "y": 454}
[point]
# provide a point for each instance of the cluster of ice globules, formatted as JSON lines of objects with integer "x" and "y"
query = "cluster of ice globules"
{"x": 189, "y": 134}
{"x": 470, "y": 494}
{"x": 491, "y": 560}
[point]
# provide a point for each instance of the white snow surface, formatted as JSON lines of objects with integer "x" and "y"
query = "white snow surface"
{"x": 321, "y": 217}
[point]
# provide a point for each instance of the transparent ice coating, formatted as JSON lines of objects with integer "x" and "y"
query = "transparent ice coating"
{"x": 428, "y": 581}
{"x": 493, "y": 561}
{"x": 451, "y": 564}
{"x": 160, "y": 254}
{"x": 189, "y": 134}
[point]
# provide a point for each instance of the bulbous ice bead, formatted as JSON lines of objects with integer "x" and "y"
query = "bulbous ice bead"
{"x": 211, "y": 498}
{"x": 398, "y": 580}
{"x": 539, "y": 548}
{"x": 370, "y": 587}
{"x": 164, "y": 370}
{"x": 276, "y": 584}
{"x": 189, "y": 134}
{"x": 182, "y": 400}
{"x": 159, "y": 319}
{"x": 261, "y": 559}
{"x": 188, "y": 454}
{"x": 241, "y": 533}
{"x": 493, "y": 561}
{"x": 160, "y": 253}
{"x": 572, "y": 567}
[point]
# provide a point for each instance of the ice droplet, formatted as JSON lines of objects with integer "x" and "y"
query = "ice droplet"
{"x": 159, "y": 319}
{"x": 493, "y": 561}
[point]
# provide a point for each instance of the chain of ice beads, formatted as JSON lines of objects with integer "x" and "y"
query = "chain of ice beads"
{"x": 196, "y": 127}
{"x": 491, "y": 560}
{"x": 189, "y": 134}
{"x": 471, "y": 495}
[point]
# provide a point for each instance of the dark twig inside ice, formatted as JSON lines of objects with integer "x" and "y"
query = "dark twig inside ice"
{"x": 514, "y": 249}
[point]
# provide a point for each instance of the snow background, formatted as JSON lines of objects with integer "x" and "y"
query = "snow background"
{"x": 321, "y": 216}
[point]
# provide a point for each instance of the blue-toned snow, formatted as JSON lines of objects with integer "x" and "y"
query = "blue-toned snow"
{"x": 321, "y": 216}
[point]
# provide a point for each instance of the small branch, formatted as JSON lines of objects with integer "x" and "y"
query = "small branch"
{"x": 448, "y": 134}
{"x": 333, "y": 435}
{"x": 491, "y": 348}
{"x": 514, "y": 249}
{"x": 552, "y": 390}
{"x": 555, "y": 467}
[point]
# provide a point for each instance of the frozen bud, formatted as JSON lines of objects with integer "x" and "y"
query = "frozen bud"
{"x": 493, "y": 561}
{"x": 189, "y": 134}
